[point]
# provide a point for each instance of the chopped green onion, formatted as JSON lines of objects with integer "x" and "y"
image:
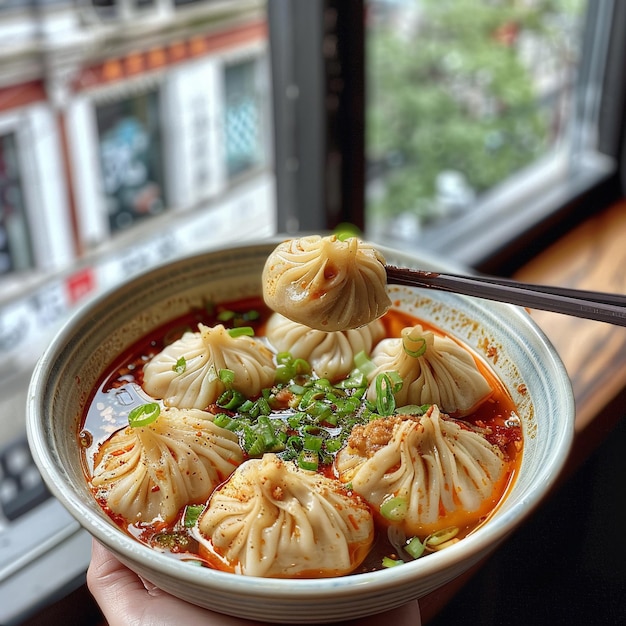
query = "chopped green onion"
{"x": 227, "y": 376}
{"x": 415, "y": 547}
{"x": 412, "y": 409}
{"x": 363, "y": 363}
{"x": 301, "y": 367}
{"x": 394, "y": 509}
{"x": 251, "y": 315}
{"x": 313, "y": 443}
{"x": 295, "y": 420}
{"x": 356, "y": 379}
{"x": 414, "y": 346}
{"x": 263, "y": 406}
{"x": 346, "y": 230}
{"x": 225, "y": 316}
{"x": 294, "y": 445}
{"x": 180, "y": 365}
{"x": 284, "y": 358}
{"x": 226, "y": 421}
{"x": 308, "y": 460}
{"x": 396, "y": 381}
{"x": 246, "y": 407}
{"x": 241, "y": 331}
{"x": 333, "y": 445}
{"x": 283, "y": 374}
{"x": 256, "y": 446}
{"x": 192, "y": 513}
{"x": 389, "y": 562}
{"x": 267, "y": 432}
{"x": 230, "y": 399}
{"x": 441, "y": 536}
{"x": 385, "y": 401}
{"x": 144, "y": 414}
{"x": 288, "y": 368}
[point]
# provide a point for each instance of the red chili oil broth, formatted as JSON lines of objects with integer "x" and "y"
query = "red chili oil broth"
{"x": 120, "y": 391}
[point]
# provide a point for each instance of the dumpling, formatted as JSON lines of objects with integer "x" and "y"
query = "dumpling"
{"x": 151, "y": 472}
{"x": 186, "y": 373}
{"x": 273, "y": 519}
{"x": 434, "y": 370}
{"x": 438, "y": 471}
{"x": 326, "y": 283}
{"x": 330, "y": 354}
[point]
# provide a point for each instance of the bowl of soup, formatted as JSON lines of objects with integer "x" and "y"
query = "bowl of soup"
{"x": 251, "y": 465}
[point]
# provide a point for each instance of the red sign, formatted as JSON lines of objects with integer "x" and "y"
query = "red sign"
{"x": 80, "y": 284}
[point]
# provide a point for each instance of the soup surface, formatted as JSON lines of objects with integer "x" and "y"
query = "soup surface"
{"x": 301, "y": 419}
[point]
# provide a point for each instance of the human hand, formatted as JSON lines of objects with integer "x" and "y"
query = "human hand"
{"x": 125, "y": 599}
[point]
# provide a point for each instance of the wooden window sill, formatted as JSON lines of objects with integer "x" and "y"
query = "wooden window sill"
{"x": 592, "y": 256}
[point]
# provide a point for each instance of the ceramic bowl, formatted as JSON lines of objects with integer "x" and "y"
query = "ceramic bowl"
{"x": 503, "y": 335}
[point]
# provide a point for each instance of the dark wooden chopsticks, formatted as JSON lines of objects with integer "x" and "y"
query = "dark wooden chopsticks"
{"x": 603, "y": 307}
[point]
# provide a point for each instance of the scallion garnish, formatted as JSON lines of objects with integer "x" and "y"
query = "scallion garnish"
{"x": 251, "y": 315}
{"x": 288, "y": 368}
{"x": 180, "y": 366}
{"x": 415, "y": 547}
{"x": 441, "y": 536}
{"x": 394, "y": 509}
{"x": 346, "y": 230}
{"x": 389, "y": 562}
{"x": 363, "y": 363}
{"x": 192, "y": 513}
{"x": 226, "y": 376}
{"x": 313, "y": 443}
{"x": 414, "y": 346}
{"x": 241, "y": 331}
{"x": 412, "y": 409}
{"x": 231, "y": 399}
{"x": 226, "y": 421}
{"x": 308, "y": 460}
{"x": 385, "y": 401}
{"x": 144, "y": 414}
{"x": 225, "y": 316}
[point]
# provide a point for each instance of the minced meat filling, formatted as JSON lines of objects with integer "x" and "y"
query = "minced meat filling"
{"x": 368, "y": 439}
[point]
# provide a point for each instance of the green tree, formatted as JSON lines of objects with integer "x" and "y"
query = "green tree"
{"x": 451, "y": 92}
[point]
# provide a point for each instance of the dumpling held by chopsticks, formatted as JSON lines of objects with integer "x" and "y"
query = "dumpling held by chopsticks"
{"x": 326, "y": 283}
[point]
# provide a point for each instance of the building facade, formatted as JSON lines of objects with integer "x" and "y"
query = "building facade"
{"x": 131, "y": 132}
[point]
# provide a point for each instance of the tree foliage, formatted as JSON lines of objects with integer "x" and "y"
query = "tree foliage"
{"x": 452, "y": 91}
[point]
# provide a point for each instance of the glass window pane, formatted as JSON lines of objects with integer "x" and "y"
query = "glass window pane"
{"x": 15, "y": 244}
{"x": 131, "y": 160}
{"x": 461, "y": 96}
{"x": 242, "y": 117}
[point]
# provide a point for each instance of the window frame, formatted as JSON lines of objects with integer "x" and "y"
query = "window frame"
{"x": 556, "y": 192}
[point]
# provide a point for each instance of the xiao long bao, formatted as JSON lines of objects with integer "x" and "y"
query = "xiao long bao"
{"x": 326, "y": 283}
{"x": 330, "y": 354}
{"x": 149, "y": 472}
{"x": 186, "y": 373}
{"x": 272, "y": 518}
{"x": 265, "y": 444}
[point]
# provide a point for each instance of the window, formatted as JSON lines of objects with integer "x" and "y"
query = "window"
{"x": 116, "y": 9}
{"x": 487, "y": 125}
{"x": 15, "y": 244}
{"x": 242, "y": 117}
{"x": 131, "y": 160}
{"x": 463, "y": 96}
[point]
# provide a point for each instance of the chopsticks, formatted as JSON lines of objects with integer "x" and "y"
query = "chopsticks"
{"x": 594, "y": 305}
